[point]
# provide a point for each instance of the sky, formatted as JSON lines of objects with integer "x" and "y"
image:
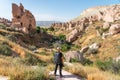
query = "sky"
{"x": 52, "y": 10}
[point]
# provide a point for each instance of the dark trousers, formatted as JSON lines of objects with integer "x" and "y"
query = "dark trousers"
{"x": 60, "y": 69}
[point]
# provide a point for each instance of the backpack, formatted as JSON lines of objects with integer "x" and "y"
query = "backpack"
{"x": 57, "y": 59}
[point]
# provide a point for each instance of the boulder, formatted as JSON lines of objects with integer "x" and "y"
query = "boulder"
{"x": 84, "y": 49}
{"x": 108, "y": 17}
{"x": 94, "y": 46}
{"x": 106, "y": 25}
{"x": 93, "y": 49}
{"x": 73, "y": 55}
{"x": 72, "y": 36}
{"x": 114, "y": 29}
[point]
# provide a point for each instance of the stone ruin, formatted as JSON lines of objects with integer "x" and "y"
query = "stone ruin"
{"x": 5, "y": 21}
{"x": 23, "y": 19}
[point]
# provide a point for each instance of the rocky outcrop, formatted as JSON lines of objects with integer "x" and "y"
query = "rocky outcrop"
{"x": 115, "y": 28}
{"x": 22, "y": 19}
{"x": 106, "y": 25}
{"x": 5, "y": 21}
{"x": 91, "y": 49}
{"x": 79, "y": 55}
{"x": 105, "y": 13}
{"x": 73, "y": 55}
{"x": 72, "y": 36}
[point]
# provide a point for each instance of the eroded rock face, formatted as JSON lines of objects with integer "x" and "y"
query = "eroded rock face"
{"x": 22, "y": 19}
{"x": 5, "y": 21}
{"x": 74, "y": 55}
{"x": 114, "y": 29}
{"x": 72, "y": 36}
{"x": 106, "y": 25}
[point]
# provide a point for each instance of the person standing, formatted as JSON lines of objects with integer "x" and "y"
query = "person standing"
{"x": 58, "y": 60}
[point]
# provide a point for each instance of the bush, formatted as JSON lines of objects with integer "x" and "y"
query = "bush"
{"x": 74, "y": 60}
{"x": 11, "y": 37}
{"x": 51, "y": 29}
{"x": 115, "y": 67}
{"x": 87, "y": 62}
{"x": 32, "y": 60}
{"x": 32, "y": 47}
{"x": 5, "y": 50}
{"x": 38, "y": 29}
{"x": 104, "y": 65}
{"x": 3, "y": 26}
{"x": 109, "y": 65}
{"x": 65, "y": 47}
{"x": 62, "y": 37}
{"x": 43, "y": 30}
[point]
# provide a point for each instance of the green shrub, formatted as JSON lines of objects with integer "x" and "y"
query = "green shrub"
{"x": 5, "y": 50}
{"x": 32, "y": 47}
{"x": 74, "y": 60}
{"x": 62, "y": 37}
{"x": 11, "y": 29}
{"x": 51, "y": 29}
{"x": 44, "y": 30}
{"x": 104, "y": 65}
{"x": 11, "y": 37}
{"x": 65, "y": 47}
{"x": 76, "y": 47}
{"x": 38, "y": 29}
{"x": 102, "y": 30}
{"x": 87, "y": 62}
{"x": 31, "y": 60}
{"x": 109, "y": 65}
{"x": 3, "y": 26}
{"x": 115, "y": 67}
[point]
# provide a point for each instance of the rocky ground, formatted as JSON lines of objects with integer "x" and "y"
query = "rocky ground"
{"x": 66, "y": 76}
{"x": 4, "y": 78}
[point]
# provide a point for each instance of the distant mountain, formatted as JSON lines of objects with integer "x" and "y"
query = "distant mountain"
{"x": 46, "y": 23}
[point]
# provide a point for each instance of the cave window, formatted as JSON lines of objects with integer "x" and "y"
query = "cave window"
{"x": 29, "y": 28}
{"x": 21, "y": 24}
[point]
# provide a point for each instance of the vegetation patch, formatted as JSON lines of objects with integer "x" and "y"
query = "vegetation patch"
{"x": 5, "y": 49}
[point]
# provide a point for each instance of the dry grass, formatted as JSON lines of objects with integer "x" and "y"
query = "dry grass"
{"x": 91, "y": 73}
{"x": 16, "y": 70}
{"x": 109, "y": 46}
{"x": 22, "y": 51}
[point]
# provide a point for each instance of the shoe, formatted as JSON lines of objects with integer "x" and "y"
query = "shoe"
{"x": 61, "y": 75}
{"x": 55, "y": 74}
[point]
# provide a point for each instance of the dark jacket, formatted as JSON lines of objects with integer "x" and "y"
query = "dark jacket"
{"x": 58, "y": 58}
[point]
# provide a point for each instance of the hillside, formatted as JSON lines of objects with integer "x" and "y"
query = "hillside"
{"x": 96, "y": 35}
{"x": 94, "y": 11}
{"x": 90, "y": 44}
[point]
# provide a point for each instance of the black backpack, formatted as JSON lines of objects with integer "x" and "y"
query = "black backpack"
{"x": 57, "y": 59}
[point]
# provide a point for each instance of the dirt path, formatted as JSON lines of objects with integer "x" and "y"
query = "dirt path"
{"x": 4, "y": 78}
{"x": 66, "y": 76}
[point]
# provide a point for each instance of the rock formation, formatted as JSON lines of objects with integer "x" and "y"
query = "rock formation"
{"x": 105, "y": 13}
{"x": 115, "y": 28}
{"x": 5, "y": 21}
{"x": 74, "y": 55}
{"x": 22, "y": 19}
{"x": 106, "y": 25}
{"x": 72, "y": 36}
